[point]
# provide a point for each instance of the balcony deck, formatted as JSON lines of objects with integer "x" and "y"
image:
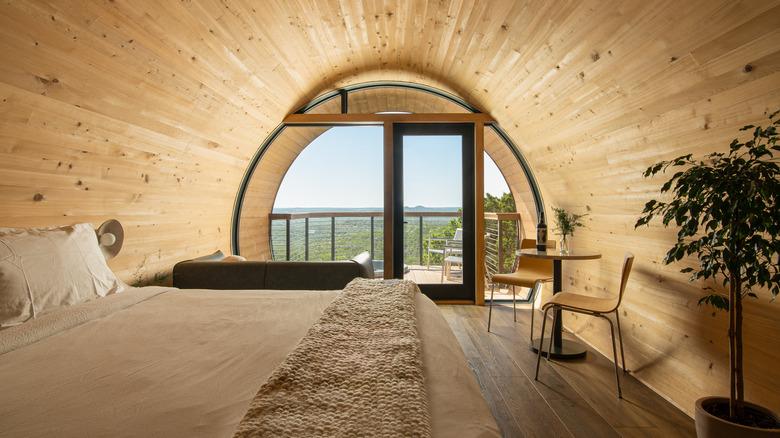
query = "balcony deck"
{"x": 421, "y": 274}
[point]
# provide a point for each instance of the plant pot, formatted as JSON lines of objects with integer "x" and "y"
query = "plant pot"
{"x": 711, "y": 426}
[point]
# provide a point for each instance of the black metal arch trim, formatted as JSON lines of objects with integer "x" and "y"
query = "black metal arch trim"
{"x": 386, "y": 84}
{"x": 344, "y": 93}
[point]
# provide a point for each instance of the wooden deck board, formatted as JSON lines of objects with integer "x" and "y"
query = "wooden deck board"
{"x": 422, "y": 274}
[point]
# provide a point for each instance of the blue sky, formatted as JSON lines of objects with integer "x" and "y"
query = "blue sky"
{"x": 342, "y": 168}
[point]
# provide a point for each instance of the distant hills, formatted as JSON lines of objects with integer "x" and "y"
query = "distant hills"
{"x": 421, "y": 208}
{"x": 418, "y": 208}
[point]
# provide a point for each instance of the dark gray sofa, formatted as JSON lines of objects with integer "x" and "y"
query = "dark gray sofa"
{"x": 209, "y": 272}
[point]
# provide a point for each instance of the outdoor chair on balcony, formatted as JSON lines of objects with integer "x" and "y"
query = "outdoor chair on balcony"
{"x": 441, "y": 244}
{"x": 453, "y": 255}
{"x": 531, "y": 273}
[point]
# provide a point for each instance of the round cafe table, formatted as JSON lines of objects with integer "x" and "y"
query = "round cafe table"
{"x": 561, "y": 348}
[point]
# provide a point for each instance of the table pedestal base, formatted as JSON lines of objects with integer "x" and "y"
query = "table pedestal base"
{"x": 567, "y": 350}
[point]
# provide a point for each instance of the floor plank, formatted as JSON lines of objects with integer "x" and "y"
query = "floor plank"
{"x": 501, "y": 411}
{"x": 571, "y": 398}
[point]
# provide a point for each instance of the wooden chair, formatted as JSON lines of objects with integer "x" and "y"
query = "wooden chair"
{"x": 589, "y": 305}
{"x": 531, "y": 273}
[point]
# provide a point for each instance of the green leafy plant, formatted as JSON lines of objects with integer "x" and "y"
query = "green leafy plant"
{"x": 565, "y": 222}
{"x": 726, "y": 209}
{"x": 159, "y": 278}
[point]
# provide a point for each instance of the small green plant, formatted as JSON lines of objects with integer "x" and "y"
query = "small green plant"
{"x": 157, "y": 279}
{"x": 565, "y": 222}
{"x": 726, "y": 209}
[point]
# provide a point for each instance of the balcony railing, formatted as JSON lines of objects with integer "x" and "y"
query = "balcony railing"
{"x": 502, "y": 234}
{"x": 342, "y": 235}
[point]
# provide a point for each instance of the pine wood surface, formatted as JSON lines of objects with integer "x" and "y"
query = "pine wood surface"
{"x": 149, "y": 112}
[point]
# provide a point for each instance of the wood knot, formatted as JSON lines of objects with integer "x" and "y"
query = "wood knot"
{"x": 45, "y": 81}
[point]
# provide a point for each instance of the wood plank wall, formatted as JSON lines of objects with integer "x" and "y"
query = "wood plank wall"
{"x": 254, "y": 229}
{"x": 513, "y": 173}
{"x": 149, "y": 112}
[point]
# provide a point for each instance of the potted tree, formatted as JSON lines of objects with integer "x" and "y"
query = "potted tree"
{"x": 726, "y": 208}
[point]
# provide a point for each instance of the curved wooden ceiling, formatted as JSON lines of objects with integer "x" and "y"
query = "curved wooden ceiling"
{"x": 149, "y": 111}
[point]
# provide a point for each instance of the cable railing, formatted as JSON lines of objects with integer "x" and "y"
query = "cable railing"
{"x": 342, "y": 235}
{"x": 492, "y": 243}
{"x": 325, "y": 235}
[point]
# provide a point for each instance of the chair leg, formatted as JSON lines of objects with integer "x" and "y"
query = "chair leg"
{"x": 533, "y": 311}
{"x": 514, "y": 303}
{"x": 549, "y": 346}
{"x": 614, "y": 356}
{"x": 541, "y": 341}
{"x": 490, "y": 312}
{"x": 620, "y": 340}
{"x": 534, "y": 291}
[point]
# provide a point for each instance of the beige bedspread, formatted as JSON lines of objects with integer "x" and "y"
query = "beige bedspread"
{"x": 187, "y": 363}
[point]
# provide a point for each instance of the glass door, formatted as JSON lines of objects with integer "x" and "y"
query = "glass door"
{"x": 433, "y": 204}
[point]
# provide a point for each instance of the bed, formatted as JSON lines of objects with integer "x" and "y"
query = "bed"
{"x": 157, "y": 361}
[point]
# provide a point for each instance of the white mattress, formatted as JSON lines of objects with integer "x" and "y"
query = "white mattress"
{"x": 186, "y": 363}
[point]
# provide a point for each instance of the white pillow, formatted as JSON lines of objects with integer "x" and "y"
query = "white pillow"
{"x": 233, "y": 258}
{"x": 42, "y": 269}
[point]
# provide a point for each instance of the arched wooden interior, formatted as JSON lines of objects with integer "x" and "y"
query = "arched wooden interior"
{"x": 150, "y": 112}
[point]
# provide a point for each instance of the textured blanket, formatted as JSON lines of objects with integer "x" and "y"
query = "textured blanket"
{"x": 357, "y": 372}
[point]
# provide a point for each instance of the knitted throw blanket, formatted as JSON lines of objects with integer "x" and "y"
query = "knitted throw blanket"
{"x": 357, "y": 372}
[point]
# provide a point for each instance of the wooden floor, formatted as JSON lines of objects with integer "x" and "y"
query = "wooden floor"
{"x": 572, "y": 398}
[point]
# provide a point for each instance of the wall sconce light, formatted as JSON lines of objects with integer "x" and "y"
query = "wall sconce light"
{"x": 110, "y": 237}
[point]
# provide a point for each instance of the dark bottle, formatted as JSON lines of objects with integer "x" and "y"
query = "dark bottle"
{"x": 541, "y": 233}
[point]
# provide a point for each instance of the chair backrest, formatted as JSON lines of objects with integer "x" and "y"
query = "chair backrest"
{"x": 531, "y": 243}
{"x": 539, "y": 264}
{"x": 628, "y": 262}
{"x": 458, "y": 234}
